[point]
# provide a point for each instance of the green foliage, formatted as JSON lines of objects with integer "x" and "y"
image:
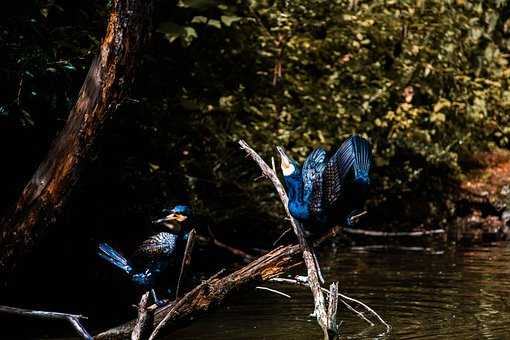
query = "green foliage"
{"x": 425, "y": 81}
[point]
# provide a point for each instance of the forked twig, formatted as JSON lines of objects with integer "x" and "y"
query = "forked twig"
{"x": 72, "y": 318}
{"x": 342, "y": 297}
{"x": 381, "y": 320}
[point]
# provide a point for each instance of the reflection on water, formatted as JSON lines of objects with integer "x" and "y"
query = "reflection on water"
{"x": 423, "y": 295}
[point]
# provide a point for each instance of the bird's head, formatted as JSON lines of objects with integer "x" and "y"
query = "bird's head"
{"x": 290, "y": 168}
{"x": 176, "y": 218}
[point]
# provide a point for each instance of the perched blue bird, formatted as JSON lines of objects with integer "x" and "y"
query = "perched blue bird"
{"x": 157, "y": 253}
{"x": 329, "y": 189}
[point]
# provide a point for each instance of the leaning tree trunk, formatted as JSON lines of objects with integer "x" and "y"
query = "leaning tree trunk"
{"x": 104, "y": 88}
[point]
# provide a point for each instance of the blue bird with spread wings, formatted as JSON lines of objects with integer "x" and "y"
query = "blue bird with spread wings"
{"x": 329, "y": 189}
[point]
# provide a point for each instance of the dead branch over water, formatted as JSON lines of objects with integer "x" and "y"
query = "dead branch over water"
{"x": 213, "y": 291}
{"x": 71, "y": 318}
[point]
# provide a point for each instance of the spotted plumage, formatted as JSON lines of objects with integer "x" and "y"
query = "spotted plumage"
{"x": 154, "y": 255}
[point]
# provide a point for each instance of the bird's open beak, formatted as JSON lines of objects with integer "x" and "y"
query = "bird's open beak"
{"x": 167, "y": 222}
{"x": 170, "y": 217}
{"x": 285, "y": 159}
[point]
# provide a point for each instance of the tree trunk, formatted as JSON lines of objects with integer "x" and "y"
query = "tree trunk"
{"x": 103, "y": 90}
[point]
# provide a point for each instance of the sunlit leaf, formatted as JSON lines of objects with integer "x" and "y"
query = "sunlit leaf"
{"x": 199, "y": 20}
{"x": 214, "y": 23}
{"x": 197, "y": 4}
{"x": 229, "y": 20}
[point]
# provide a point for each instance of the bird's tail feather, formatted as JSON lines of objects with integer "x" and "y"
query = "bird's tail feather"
{"x": 362, "y": 157}
{"x": 114, "y": 257}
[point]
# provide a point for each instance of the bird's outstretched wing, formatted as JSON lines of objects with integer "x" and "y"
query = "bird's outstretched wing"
{"x": 336, "y": 170}
{"x": 161, "y": 244}
{"x": 313, "y": 168}
{"x": 362, "y": 156}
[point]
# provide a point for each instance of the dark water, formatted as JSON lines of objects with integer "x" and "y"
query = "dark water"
{"x": 458, "y": 294}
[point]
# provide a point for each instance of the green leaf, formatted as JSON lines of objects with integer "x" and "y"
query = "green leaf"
{"x": 228, "y": 20}
{"x": 197, "y": 4}
{"x": 214, "y": 23}
{"x": 188, "y": 35}
{"x": 199, "y": 20}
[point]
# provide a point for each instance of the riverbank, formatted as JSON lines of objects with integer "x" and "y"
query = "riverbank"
{"x": 483, "y": 207}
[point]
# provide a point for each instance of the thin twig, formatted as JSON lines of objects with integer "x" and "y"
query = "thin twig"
{"x": 428, "y": 250}
{"x": 342, "y": 297}
{"x": 359, "y": 314}
{"x": 281, "y": 236}
{"x": 274, "y": 291}
{"x": 300, "y": 282}
{"x": 186, "y": 260}
{"x": 356, "y": 217}
{"x": 388, "y": 327}
{"x": 392, "y": 234}
{"x": 308, "y": 253}
{"x": 72, "y": 318}
{"x": 319, "y": 271}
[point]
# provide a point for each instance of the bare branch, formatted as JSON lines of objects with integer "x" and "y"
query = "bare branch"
{"x": 274, "y": 291}
{"x": 392, "y": 234}
{"x": 308, "y": 253}
{"x": 72, "y": 318}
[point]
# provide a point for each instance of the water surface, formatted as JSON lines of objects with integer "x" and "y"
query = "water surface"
{"x": 458, "y": 294}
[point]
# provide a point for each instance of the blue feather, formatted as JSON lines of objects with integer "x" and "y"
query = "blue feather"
{"x": 362, "y": 159}
{"x": 114, "y": 257}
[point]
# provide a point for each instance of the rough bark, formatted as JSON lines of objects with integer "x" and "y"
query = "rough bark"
{"x": 142, "y": 330}
{"x": 104, "y": 88}
{"x": 214, "y": 291}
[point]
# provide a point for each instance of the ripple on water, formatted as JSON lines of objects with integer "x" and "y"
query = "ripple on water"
{"x": 456, "y": 295}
